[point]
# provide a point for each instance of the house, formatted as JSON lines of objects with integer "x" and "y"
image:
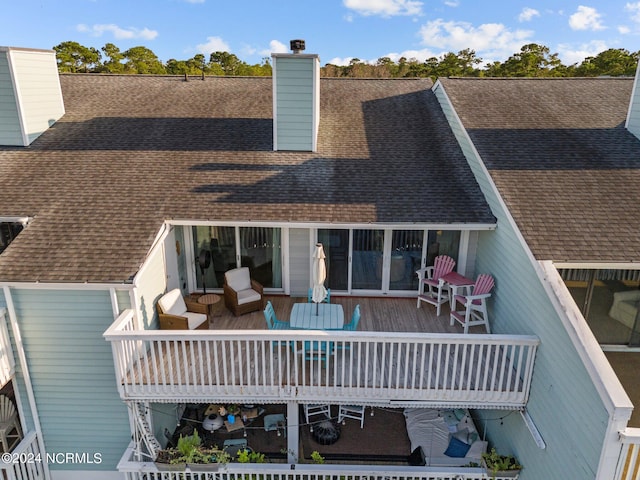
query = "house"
{"x": 110, "y": 203}
{"x": 560, "y": 159}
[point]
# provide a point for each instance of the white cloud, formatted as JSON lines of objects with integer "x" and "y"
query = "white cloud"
{"x": 340, "y": 61}
{"x": 452, "y": 3}
{"x": 491, "y": 41}
{"x": 570, "y": 54}
{"x": 624, "y": 30}
{"x": 213, "y": 44}
{"x": 385, "y": 8}
{"x": 277, "y": 47}
{"x": 117, "y": 32}
{"x": 586, "y": 18}
{"x": 527, "y": 14}
{"x": 634, "y": 8}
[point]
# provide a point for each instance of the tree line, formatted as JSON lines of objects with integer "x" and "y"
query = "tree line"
{"x": 533, "y": 60}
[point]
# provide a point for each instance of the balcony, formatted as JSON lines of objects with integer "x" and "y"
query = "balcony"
{"x": 403, "y": 356}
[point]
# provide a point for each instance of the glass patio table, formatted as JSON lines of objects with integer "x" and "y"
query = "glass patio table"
{"x": 321, "y": 316}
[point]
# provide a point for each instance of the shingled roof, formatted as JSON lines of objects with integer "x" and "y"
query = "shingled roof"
{"x": 134, "y": 151}
{"x": 562, "y": 160}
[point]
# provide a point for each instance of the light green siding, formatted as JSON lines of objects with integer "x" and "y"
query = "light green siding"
{"x": 10, "y": 132}
{"x": 152, "y": 284}
{"x": 633, "y": 120}
{"x": 30, "y": 94}
{"x": 71, "y": 368}
{"x": 299, "y": 261}
{"x": 564, "y": 403}
{"x": 39, "y": 90}
{"x": 296, "y": 102}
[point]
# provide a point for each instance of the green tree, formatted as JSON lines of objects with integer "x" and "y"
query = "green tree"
{"x": 114, "y": 62}
{"x": 73, "y": 57}
{"x": 229, "y": 63}
{"x": 533, "y": 60}
{"x": 614, "y": 61}
{"x": 142, "y": 60}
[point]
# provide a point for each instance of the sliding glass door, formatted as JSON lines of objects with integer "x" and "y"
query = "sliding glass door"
{"x": 336, "y": 249}
{"x": 259, "y": 248}
{"x": 382, "y": 261}
{"x": 367, "y": 268}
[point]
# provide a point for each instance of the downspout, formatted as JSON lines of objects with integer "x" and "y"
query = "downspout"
{"x": 15, "y": 328}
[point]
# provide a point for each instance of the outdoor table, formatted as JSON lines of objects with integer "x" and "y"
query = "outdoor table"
{"x": 317, "y": 316}
{"x": 455, "y": 281}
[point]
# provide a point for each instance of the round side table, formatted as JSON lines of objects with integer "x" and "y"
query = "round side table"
{"x": 213, "y": 301}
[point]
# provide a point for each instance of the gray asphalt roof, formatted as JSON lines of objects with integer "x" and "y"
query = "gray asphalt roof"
{"x": 134, "y": 151}
{"x": 561, "y": 158}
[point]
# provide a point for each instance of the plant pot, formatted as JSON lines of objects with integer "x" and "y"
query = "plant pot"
{"x": 500, "y": 473}
{"x": 203, "y": 467}
{"x": 170, "y": 467}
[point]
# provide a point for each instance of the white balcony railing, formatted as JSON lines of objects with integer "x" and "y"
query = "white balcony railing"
{"x": 492, "y": 371}
{"x": 134, "y": 470}
{"x": 7, "y": 361}
{"x": 25, "y": 462}
{"x": 629, "y": 461}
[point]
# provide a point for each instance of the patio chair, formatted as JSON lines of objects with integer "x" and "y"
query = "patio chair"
{"x": 351, "y": 411}
{"x": 242, "y": 294}
{"x": 9, "y": 424}
{"x": 352, "y": 326}
{"x": 317, "y": 350}
{"x": 355, "y": 319}
{"x": 327, "y": 299}
{"x": 436, "y": 292}
{"x": 475, "y": 304}
{"x": 272, "y": 321}
{"x": 178, "y": 313}
{"x": 311, "y": 410}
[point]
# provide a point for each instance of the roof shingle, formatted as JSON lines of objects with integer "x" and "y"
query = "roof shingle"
{"x": 134, "y": 151}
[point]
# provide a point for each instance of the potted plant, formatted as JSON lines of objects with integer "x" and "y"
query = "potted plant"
{"x": 498, "y": 465}
{"x": 191, "y": 453}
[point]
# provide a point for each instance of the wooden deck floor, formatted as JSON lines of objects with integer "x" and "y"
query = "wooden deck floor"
{"x": 377, "y": 315}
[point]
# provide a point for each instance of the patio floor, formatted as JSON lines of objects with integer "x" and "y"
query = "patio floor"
{"x": 378, "y": 315}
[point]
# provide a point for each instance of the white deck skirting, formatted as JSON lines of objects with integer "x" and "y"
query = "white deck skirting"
{"x": 475, "y": 371}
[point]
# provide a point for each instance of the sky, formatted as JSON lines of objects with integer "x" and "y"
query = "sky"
{"x": 337, "y": 30}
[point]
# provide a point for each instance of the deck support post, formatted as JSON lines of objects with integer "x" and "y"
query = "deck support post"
{"x": 293, "y": 435}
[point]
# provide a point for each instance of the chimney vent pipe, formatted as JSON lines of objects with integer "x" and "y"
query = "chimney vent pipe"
{"x": 297, "y": 45}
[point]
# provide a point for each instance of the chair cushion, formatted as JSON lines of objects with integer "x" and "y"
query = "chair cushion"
{"x": 247, "y": 296}
{"x": 194, "y": 320}
{"x": 173, "y": 303}
{"x": 238, "y": 279}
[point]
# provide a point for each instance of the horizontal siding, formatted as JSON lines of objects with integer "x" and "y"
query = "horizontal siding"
{"x": 10, "y": 132}
{"x": 299, "y": 271}
{"x": 294, "y": 103}
{"x": 38, "y": 90}
{"x": 564, "y": 403}
{"x": 152, "y": 284}
{"x": 71, "y": 369}
{"x": 633, "y": 123}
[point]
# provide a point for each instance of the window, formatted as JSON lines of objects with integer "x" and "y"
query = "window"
{"x": 8, "y": 231}
{"x": 259, "y": 248}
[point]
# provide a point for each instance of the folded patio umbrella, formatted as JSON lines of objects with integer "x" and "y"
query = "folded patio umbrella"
{"x": 319, "y": 273}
